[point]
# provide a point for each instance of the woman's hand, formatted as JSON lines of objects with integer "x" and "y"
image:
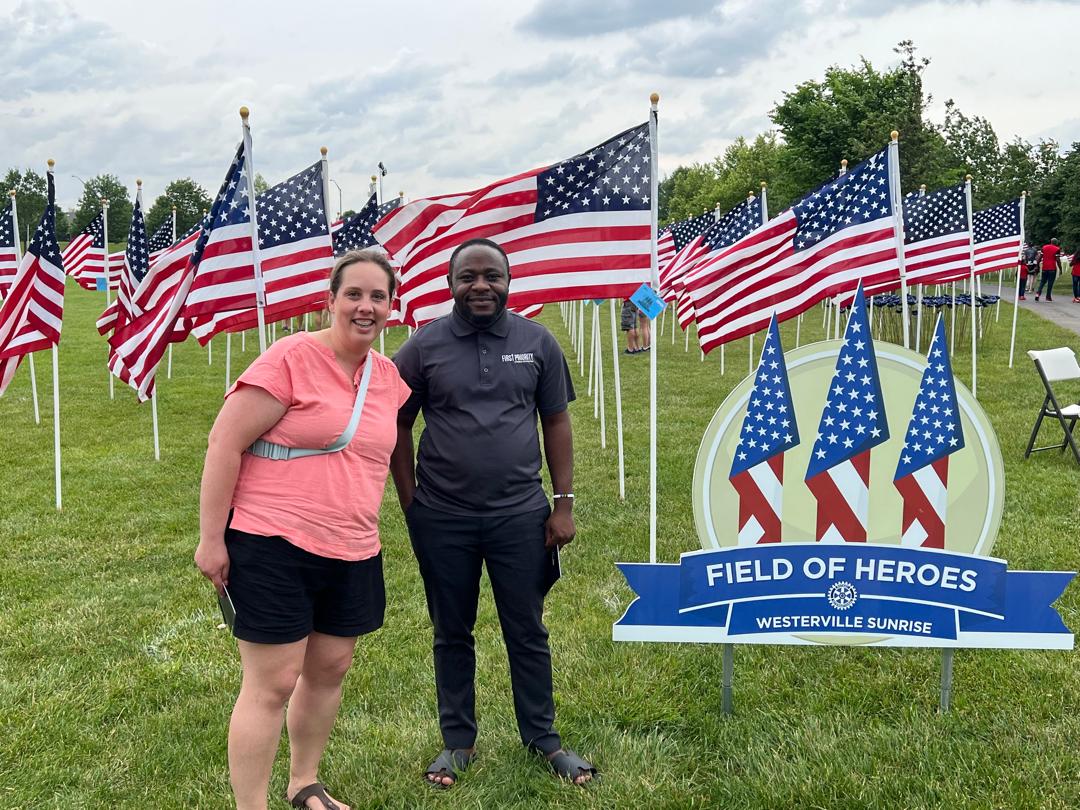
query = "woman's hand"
{"x": 213, "y": 560}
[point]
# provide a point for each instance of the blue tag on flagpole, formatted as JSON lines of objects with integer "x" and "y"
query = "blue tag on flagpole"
{"x": 99, "y": 284}
{"x": 648, "y": 301}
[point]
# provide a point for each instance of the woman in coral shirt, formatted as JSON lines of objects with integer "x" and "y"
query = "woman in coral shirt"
{"x": 295, "y": 542}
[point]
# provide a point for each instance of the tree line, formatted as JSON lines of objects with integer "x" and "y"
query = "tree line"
{"x": 849, "y": 114}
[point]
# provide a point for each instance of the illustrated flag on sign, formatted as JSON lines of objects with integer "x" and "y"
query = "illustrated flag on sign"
{"x": 161, "y": 240}
{"x": 295, "y": 251}
{"x": 722, "y": 233}
{"x": 84, "y": 257}
{"x": 578, "y": 229}
{"x": 355, "y": 232}
{"x": 822, "y": 246}
{"x": 33, "y": 311}
{"x": 8, "y": 261}
{"x": 137, "y": 349}
{"x": 933, "y": 434}
{"x": 768, "y": 431}
{"x": 133, "y": 271}
{"x": 997, "y": 237}
{"x": 686, "y": 241}
{"x": 852, "y": 423}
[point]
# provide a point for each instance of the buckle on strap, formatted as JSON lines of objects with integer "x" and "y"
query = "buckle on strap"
{"x": 270, "y": 450}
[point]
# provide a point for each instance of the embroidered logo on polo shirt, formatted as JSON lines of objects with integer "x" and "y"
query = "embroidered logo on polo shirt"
{"x": 525, "y": 357}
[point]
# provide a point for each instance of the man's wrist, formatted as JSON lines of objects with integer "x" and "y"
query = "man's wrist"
{"x": 564, "y": 500}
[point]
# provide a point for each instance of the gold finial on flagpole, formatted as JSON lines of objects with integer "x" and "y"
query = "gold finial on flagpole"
{"x": 895, "y": 135}
{"x": 51, "y": 163}
{"x": 1022, "y": 193}
{"x": 138, "y": 182}
{"x": 655, "y": 98}
{"x": 323, "y": 150}
{"x": 244, "y": 113}
{"x": 174, "y": 208}
{"x": 922, "y": 187}
{"x": 843, "y": 164}
{"x": 763, "y": 184}
{"x": 968, "y": 178}
{"x": 12, "y": 194}
{"x": 374, "y": 178}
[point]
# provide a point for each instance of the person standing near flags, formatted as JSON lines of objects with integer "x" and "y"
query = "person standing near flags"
{"x": 291, "y": 534}
{"x": 1050, "y": 255}
{"x": 473, "y": 497}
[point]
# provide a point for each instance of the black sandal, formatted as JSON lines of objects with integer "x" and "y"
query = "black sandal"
{"x": 569, "y": 766}
{"x": 316, "y": 790}
{"x": 449, "y": 763}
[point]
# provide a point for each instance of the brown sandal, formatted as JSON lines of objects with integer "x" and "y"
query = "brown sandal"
{"x": 316, "y": 790}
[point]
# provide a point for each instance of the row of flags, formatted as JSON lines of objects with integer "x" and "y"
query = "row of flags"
{"x": 580, "y": 228}
{"x": 853, "y": 422}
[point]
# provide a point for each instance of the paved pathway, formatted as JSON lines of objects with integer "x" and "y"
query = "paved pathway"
{"x": 1061, "y": 310}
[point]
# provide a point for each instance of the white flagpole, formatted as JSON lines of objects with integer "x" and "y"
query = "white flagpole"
{"x": 228, "y": 359}
{"x": 600, "y": 378}
{"x": 592, "y": 362}
{"x": 836, "y": 299}
{"x": 898, "y": 230}
{"x": 764, "y": 219}
{"x": 105, "y": 264}
{"x": 654, "y": 172}
{"x": 581, "y": 338}
{"x": 210, "y": 352}
{"x": 56, "y": 396}
{"x": 615, "y": 352}
{"x": 971, "y": 269}
{"x": 260, "y": 288}
{"x": 18, "y": 258}
{"x": 1016, "y": 301}
{"x": 154, "y": 419}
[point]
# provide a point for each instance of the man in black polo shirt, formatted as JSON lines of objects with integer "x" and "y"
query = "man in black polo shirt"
{"x": 481, "y": 375}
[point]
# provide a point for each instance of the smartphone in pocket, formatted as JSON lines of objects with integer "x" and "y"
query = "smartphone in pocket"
{"x": 228, "y": 609}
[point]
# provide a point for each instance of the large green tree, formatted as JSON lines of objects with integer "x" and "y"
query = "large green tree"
{"x": 190, "y": 200}
{"x": 31, "y": 192}
{"x": 120, "y": 205}
{"x": 850, "y": 114}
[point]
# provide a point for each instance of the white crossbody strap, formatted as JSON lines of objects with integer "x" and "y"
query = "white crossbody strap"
{"x": 280, "y": 452}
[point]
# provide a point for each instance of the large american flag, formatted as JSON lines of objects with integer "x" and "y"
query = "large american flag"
{"x": 998, "y": 237}
{"x": 936, "y": 236}
{"x": 686, "y": 241}
{"x": 84, "y": 257}
{"x": 137, "y": 349}
{"x": 33, "y": 311}
{"x": 822, "y": 246}
{"x": 768, "y": 431}
{"x": 722, "y": 233}
{"x": 133, "y": 271}
{"x": 852, "y": 423}
{"x": 577, "y": 229}
{"x": 933, "y": 434}
{"x": 295, "y": 252}
{"x": 9, "y": 261}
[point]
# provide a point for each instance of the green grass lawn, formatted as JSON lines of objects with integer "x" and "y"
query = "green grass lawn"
{"x": 116, "y": 681}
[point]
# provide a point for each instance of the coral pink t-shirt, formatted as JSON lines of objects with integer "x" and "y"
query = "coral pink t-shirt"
{"x": 326, "y": 504}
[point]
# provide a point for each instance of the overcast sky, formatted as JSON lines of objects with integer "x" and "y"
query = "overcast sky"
{"x": 453, "y": 94}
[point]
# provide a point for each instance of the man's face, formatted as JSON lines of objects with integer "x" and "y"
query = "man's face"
{"x": 480, "y": 283}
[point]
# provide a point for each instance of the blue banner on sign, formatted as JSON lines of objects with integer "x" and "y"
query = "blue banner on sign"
{"x": 793, "y": 589}
{"x": 648, "y": 301}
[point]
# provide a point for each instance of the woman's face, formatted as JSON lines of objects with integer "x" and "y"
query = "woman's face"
{"x": 362, "y": 303}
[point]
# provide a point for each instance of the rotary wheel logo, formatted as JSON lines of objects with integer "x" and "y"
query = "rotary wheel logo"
{"x": 842, "y": 595}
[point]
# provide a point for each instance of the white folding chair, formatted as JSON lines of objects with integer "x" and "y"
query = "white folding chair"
{"x": 1056, "y": 365}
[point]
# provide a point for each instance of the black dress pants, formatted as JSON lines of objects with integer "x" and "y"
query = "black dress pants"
{"x": 450, "y": 550}
{"x": 1047, "y": 280}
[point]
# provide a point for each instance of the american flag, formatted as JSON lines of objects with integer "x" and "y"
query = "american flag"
{"x": 768, "y": 431}
{"x": 665, "y": 249}
{"x": 721, "y": 233}
{"x": 84, "y": 257}
{"x": 936, "y": 236}
{"x": 528, "y": 311}
{"x": 686, "y": 241}
{"x": 934, "y": 432}
{"x": 577, "y": 229}
{"x": 295, "y": 253}
{"x": 33, "y": 311}
{"x": 133, "y": 271}
{"x": 822, "y": 246}
{"x": 161, "y": 240}
{"x": 997, "y": 235}
{"x": 852, "y": 423}
{"x": 355, "y": 232}
{"x": 137, "y": 349}
{"x": 9, "y": 262}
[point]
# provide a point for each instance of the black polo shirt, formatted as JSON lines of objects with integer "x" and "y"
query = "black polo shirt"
{"x": 480, "y": 392}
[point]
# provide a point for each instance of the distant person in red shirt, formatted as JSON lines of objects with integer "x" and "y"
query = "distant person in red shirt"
{"x": 1076, "y": 276}
{"x": 1049, "y": 269}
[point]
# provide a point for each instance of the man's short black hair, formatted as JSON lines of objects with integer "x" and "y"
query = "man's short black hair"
{"x": 485, "y": 243}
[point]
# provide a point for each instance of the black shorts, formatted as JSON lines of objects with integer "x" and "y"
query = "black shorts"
{"x": 283, "y": 593}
